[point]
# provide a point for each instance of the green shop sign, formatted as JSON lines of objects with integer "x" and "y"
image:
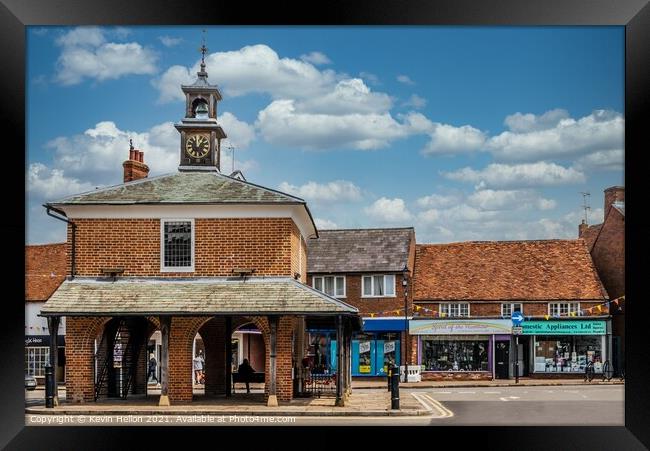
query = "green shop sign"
{"x": 564, "y": 328}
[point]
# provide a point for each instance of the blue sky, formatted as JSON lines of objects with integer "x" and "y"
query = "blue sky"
{"x": 466, "y": 133}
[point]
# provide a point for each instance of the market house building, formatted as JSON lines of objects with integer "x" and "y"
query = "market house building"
{"x": 45, "y": 270}
{"x": 465, "y": 294}
{"x": 365, "y": 268}
{"x": 191, "y": 252}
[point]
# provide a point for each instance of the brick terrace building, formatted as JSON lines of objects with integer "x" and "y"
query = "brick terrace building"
{"x": 365, "y": 268}
{"x": 45, "y": 270}
{"x": 466, "y": 292}
{"x": 606, "y": 244}
{"x": 194, "y": 251}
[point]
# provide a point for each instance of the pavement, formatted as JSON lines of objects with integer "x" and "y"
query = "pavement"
{"x": 523, "y": 381}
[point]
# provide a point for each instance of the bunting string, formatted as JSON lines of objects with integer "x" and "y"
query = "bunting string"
{"x": 419, "y": 310}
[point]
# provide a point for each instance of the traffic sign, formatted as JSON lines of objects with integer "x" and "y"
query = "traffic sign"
{"x": 517, "y": 318}
{"x": 517, "y": 330}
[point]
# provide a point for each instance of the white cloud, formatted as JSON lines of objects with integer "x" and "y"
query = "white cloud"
{"x": 522, "y": 123}
{"x": 444, "y": 138}
{"x": 509, "y": 200}
{"x": 438, "y": 201}
{"x": 415, "y": 101}
{"x": 606, "y": 160}
{"x": 347, "y": 96}
{"x": 520, "y": 175}
{"x": 325, "y": 224}
{"x": 251, "y": 69}
{"x": 334, "y": 192}
{"x": 316, "y": 58}
{"x": 405, "y": 79}
{"x": 555, "y": 135}
{"x": 169, "y": 41}
{"x": 46, "y": 183}
{"x": 389, "y": 210}
{"x": 86, "y": 54}
{"x": 280, "y": 123}
{"x": 240, "y": 133}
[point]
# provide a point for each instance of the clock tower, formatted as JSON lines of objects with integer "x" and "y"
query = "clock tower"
{"x": 200, "y": 134}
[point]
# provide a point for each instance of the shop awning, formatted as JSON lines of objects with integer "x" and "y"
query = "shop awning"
{"x": 196, "y": 296}
{"x": 383, "y": 325}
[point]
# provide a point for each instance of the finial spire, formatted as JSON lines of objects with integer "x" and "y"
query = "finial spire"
{"x": 203, "y": 51}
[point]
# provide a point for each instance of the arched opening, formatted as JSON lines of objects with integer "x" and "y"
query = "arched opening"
{"x": 120, "y": 357}
{"x": 200, "y": 108}
{"x": 248, "y": 349}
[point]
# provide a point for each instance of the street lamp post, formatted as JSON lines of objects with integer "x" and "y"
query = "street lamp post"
{"x": 405, "y": 275}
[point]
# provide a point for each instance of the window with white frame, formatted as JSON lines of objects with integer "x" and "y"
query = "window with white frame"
{"x": 378, "y": 286}
{"x": 508, "y": 309}
{"x": 177, "y": 245}
{"x": 563, "y": 308}
{"x": 35, "y": 360}
{"x": 332, "y": 285}
{"x": 456, "y": 309}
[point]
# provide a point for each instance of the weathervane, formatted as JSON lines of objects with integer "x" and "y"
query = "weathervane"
{"x": 203, "y": 51}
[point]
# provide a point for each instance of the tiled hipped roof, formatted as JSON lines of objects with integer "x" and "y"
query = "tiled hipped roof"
{"x": 506, "y": 270}
{"x": 359, "y": 250}
{"x": 45, "y": 268}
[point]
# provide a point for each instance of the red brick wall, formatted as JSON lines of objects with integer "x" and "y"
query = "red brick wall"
{"x": 608, "y": 254}
{"x": 221, "y": 245}
{"x": 493, "y": 309}
{"x": 372, "y": 305}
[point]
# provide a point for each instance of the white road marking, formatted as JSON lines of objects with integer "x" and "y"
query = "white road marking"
{"x": 467, "y": 392}
{"x": 508, "y": 398}
{"x": 443, "y": 392}
{"x": 492, "y": 392}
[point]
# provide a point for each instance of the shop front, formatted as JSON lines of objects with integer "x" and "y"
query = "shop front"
{"x": 377, "y": 347}
{"x": 567, "y": 347}
{"x": 458, "y": 348}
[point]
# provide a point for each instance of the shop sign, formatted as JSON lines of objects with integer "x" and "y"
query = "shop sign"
{"x": 389, "y": 346}
{"x": 42, "y": 340}
{"x": 364, "y": 346}
{"x": 460, "y": 327}
{"x": 364, "y": 368}
{"x": 564, "y": 328}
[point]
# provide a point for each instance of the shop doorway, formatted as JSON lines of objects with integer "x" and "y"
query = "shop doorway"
{"x": 502, "y": 359}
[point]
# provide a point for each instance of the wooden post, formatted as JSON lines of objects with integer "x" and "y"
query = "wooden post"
{"x": 273, "y": 398}
{"x": 53, "y": 327}
{"x": 339, "y": 362}
{"x": 165, "y": 328}
{"x": 228, "y": 342}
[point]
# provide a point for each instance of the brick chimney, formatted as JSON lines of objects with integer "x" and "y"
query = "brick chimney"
{"x": 582, "y": 228}
{"x": 613, "y": 194}
{"x": 134, "y": 167}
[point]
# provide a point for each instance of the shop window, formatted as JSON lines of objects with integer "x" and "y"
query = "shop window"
{"x": 331, "y": 285}
{"x": 378, "y": 286}
{"x": 567, "y": 354}
{"x": 508, "y": 309}
{"x": 177, "y": 245}
{"x": 455, "y": 309}
{"x": 563, "y": 308}
{"x": 35, "y": 360}
{"x": 455, "y": 354}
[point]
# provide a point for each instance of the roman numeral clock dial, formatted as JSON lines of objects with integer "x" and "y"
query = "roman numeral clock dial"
{"x": 197, "y": 146}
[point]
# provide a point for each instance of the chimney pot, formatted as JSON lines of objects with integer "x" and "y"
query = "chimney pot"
{"x": 613, "y": 194}
{"x": 141, "y": 156}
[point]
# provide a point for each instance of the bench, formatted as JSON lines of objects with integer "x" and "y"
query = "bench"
{"x": 257, "y": 377}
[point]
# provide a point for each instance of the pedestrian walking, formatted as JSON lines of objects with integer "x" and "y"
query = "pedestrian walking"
{"x": 152, "y": 368}
{"x": 246, "y": 371}
{"x": 198, "y": 368}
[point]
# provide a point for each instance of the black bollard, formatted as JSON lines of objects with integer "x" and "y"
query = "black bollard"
{"x": 390, "y": 369}
{"x": 394, "y": 396}
{"x": 49, "y": 386}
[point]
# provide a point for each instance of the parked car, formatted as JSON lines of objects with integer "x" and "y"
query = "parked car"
{"x": 30, "y": 382}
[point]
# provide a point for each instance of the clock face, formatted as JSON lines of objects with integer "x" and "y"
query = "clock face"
{"x": 197, "y": 146}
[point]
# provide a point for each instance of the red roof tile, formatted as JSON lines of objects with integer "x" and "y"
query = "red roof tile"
{"x": 45, "y": 270}
{"x": 495, "y": 270}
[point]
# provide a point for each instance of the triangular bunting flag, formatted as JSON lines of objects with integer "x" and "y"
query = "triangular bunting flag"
{"x": 599, "y": 308}
{"x": 546, "y": 317}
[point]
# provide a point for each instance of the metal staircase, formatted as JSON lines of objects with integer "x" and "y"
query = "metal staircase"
{"x": 117, "y": 357}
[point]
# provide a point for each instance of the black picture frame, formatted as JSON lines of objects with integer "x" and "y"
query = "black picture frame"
{"x": 15, "y": 15}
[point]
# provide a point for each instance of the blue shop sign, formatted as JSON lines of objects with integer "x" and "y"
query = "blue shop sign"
{"x": 383, "y": 325}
